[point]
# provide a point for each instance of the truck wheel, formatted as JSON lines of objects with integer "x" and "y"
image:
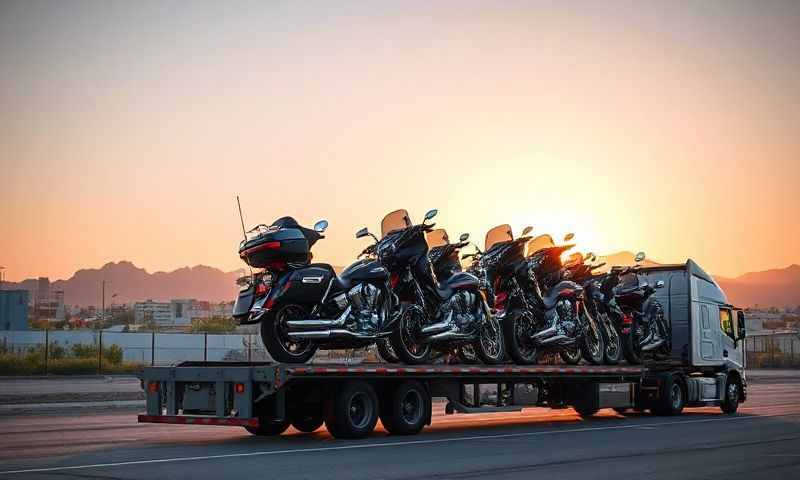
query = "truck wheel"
{"x": 731, "y": 402}
{"x": 353, "y": 411}
{"x": 585, "y": 412}
{"x": 672, "y": 397}
{"x": 309, "y": 419}
{"x": 268, "y": 428}
{"x": 407, "y": 409}
{"x": 278, "y": 344}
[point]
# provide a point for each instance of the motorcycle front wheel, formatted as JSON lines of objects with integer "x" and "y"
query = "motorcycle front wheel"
{"x": 519, "y": 343}
{"x": 631, "y": 341}
{"x": 591, "y": 345}
{"x": 490, "y": 346}
{"x": 274, "y": 334}
{"x": 612, "y": 353}
{"x": 386, "y": 352}
{"x": 404, "y": 338}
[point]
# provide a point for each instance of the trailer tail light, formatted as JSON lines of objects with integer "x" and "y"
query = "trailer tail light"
{"x": 239, "y": 388}
{"x": 152, "y": 387}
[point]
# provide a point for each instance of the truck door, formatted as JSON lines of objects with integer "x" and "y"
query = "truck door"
{"x": 708, "y": 336}
{"x": 731, "y": 348}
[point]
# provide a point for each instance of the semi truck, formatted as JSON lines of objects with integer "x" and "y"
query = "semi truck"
{"x": 705, "y": 367}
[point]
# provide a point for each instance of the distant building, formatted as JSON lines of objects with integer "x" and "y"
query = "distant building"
{"x": 13, "y": 309}
{"x": 150, "y": 311}
{"x": 42, "y": 290}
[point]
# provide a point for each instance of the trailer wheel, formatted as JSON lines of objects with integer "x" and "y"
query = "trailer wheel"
{"x": 406, "y": 408}
{"x": 268, "y": 428}
{"x": 731, "y": 402}
{"x": 585, "y": 412}
{"x": 308, "y": 419}
{"x": 672, "y": 397}
{"x": 353, "y": 411}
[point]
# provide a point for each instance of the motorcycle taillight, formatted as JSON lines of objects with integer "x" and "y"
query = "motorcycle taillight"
{"x": 394, "y": 279}
{"x": 500, "y": 301}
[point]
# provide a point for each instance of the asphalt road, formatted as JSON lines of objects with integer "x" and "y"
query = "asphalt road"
{"x": 762, "y": 441}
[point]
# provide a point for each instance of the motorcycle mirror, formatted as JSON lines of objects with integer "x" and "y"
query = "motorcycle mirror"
{"x": 660, "y": 284}
{"x": 639, "y": 257}
{"x": 362, "y": 233}
{"x": 431, "y": 214}
{"x": 591, "y": 257}
{"x": 527, "y": 230}
{"x": 321, "y": 226}
{"x": 463, "y": 237}
{"x": 569, "y": 236}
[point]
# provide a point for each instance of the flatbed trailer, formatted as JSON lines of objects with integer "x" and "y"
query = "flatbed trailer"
{"x": 265, "y": 398}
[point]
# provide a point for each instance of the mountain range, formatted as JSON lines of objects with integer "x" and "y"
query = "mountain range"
{"x": 776, "y": 287}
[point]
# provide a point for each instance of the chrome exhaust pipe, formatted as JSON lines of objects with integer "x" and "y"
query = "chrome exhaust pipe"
{"x": 557, "y": 340}
{"x": 318, "y": 324}
{"x": 335, "y": 334}
{"x": 439, "y": 327}
{"x": 546, "y": 333}
{"x": 448, "y": 337}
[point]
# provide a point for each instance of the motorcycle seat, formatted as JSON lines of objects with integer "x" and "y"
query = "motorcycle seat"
{"x": 457, "y": 281}
{"x": 562, "y": 289}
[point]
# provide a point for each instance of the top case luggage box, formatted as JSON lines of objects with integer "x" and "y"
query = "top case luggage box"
{"x": 287, "y": 245}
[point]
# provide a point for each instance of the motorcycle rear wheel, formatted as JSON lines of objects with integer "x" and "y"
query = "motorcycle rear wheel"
{"x": 275, "y": 338}
{"x": 386, "y": 352}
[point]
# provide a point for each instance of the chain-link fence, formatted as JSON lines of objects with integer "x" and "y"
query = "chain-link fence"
{"x": 779, "y": 349}
{"x": 42, "y": 352}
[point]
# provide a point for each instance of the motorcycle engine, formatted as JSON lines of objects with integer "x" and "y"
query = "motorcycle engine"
{"x": 567, "y": 320}
{"x": 363, "y": 299}
{"x": 461, "y": 305}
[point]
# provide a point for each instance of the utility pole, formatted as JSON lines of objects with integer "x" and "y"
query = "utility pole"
{"x": 103, "y": 306}
{"x": 1, "y": 276}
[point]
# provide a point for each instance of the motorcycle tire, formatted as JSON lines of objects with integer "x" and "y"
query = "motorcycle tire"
{"x": 385, "y": 352}
{"x": 592, "y": 346}
{"x": 519, "y": 351}
{"x": 273, "y": 334}
{"x": 402, "y": 338}
{"x": 490, "y": 346}
{"x": 612, "y": 353}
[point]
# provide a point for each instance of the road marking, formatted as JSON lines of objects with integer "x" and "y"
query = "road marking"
{"x": 384, "y": 444}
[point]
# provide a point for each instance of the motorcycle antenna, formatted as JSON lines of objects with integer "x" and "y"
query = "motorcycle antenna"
{"x": 241, "y": 218}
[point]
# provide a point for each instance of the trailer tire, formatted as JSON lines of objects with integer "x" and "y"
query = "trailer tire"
{"x": 308, "y": 419}
{"x": 585, "y": 412}
{"x": 268, "y": 428}
{"x": 406, "y": 409}
{"x": 733, "y": 390}
{"x": 672, "y": 397}
{"x": 353, "y": 410}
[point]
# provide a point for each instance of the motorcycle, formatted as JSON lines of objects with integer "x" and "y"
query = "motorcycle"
{"x": 534, "y": 322}
{"x": 432, "y": 313}
{"x": 638, "y": 316}
{"x": 303, "y": 306}
{"x": 577, "y": 270}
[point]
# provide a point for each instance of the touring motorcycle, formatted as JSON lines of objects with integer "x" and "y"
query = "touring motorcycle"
{"x": 303, "y": 306}
{"x": 637, "y": 314}
{"x": 432, "y": 313}
{"x": 580, "y": 270}
{"x": 535, "y": 320}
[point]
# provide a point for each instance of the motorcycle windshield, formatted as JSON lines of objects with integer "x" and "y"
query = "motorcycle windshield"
{"x": 499, "y": 234}
{"x": 540, "y": 242}
{"x": 397, "y": 220}
{"x": 437, "y": 238}
{"x": 574, "y": 260}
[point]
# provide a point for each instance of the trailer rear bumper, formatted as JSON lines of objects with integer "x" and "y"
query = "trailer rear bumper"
{"x": 197, "y": 420}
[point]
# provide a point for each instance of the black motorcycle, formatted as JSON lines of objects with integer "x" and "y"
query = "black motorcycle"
{"x": 535, "y": 320}
{"x": 303, "y": 306}
{"x": 578, "y": 270}
{"x": 432, "y": 313}
{"x": 637, "y": 314}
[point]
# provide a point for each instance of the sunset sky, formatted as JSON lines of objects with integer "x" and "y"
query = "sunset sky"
{"x": 127, "y": 128}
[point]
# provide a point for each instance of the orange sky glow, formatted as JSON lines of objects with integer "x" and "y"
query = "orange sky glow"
{"x": 127, "y": 129}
